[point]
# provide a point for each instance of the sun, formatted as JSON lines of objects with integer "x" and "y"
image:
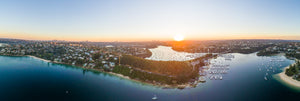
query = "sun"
{"x": 178, "y": 37}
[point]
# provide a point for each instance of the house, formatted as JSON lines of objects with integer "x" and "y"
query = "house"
{"x": 2, "y": 51}
{"x": 91, "y": 65}
{"x": 105, "y": 66}
{"x": 111, "y": 64}
{"x": 85, "y": 64}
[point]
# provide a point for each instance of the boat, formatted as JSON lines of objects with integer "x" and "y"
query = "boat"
{"x": 202, "y": 79}
{"x": 266, "y": 78}
{"x": 229, "y": 59}
{"x": 154, "y": 98}
{"x": 202, "y": 73}
{"x": 211, "y": 77}
{"x": 216, "y": 77}
{"x": 221, "y": 77}
{"x": 224, "y": 72}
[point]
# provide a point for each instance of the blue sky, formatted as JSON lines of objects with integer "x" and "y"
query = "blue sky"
{"x": 130, "y": 20}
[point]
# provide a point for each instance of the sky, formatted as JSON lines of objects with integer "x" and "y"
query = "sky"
{"x": 146, "y": 20}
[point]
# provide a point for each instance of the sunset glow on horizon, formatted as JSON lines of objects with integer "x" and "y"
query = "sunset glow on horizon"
{"x": 178, "y": 37}
{"x": 75, "y": 20}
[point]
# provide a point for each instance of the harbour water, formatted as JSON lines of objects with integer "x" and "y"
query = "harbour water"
{"x": 164, "y": 53}
{"x": 27, "y": 79}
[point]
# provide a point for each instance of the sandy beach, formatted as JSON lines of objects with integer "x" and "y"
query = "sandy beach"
{"x": 288, "y": 79}
{"x": 164, "y": 85}
{"x": 39, "y": 58}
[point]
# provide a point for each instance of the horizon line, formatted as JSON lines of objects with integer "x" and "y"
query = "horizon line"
{"x": 155, "y": 40}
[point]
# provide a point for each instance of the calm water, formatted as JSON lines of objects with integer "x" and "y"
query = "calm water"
{"x": 25, "y": 78}
{"x": 164, "y": 53}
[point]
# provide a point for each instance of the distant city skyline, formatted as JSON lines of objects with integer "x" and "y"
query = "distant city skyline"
{"x": 146, "y": 20}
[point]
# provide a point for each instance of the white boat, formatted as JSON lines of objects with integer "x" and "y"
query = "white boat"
{"x": 224, "y": 72}
{"x": 216, "y": 77}
{"x": 229, "y": 59}
{"x": 202, "y": 79}
{"x": 266, "y": 78}
{"x": 211, "y": 77}
{"x": 221, "y": 77}
{"x": 154, "y": 98}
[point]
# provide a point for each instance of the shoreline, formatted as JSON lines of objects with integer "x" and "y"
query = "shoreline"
{"x": 164, "y": 86}
{"x": 39, "y": 58}
{"x": 287, "y": 79}
{"x": 186, "y": 85}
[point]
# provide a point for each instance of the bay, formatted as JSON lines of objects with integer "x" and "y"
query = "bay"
{"x": 26, "y": 78}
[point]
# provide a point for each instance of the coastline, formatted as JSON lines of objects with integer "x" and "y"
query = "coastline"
{"x": 38, "y": 58}
{"x": 186, "y": 85}
{"x": 287, "y": 79}
{"x": 152, "y": 84}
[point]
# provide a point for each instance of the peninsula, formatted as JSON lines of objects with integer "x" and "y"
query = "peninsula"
{"x": 291, "y": 74}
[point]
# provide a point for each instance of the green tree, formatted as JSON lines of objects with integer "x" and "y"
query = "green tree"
{"x": 96, "y": 56}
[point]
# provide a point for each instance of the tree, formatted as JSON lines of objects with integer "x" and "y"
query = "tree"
{"x": 96, "y": 56}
